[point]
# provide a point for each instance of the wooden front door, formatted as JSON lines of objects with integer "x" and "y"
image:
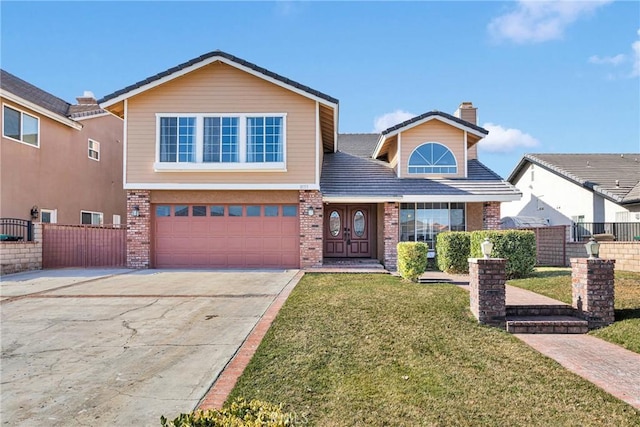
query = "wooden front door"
{"x": 347, "y": 231}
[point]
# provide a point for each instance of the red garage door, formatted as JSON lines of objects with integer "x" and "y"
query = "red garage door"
{"x": 226, "y": 236}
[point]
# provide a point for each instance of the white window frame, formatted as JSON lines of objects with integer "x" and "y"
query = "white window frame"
{"x": 94, "y": 146}
{"x": 22, "y": 113}
{"x": 100, "y": 215}
{"x": 116, "y": 220}
{"x": 53, "y": 215}
{"x": 242, "y": 165}
{"x": 432, "y": 173}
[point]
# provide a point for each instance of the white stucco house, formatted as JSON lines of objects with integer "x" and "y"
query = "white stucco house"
{"x": 565, "y": 189}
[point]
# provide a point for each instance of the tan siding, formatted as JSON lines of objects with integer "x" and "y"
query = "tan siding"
{"x": 474, "y": 216}
{"x": 472, "y": 153}
{"x": 392, "y": 151}
{"x": 433, "y": 131}
{"x": 220, "y": 88}
{"x": 221, "y": 196}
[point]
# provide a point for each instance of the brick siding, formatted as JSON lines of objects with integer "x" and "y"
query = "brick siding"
{"x": 592, "y": 283}
{"x": 139, "y": 229}
{"x": 626, "y": 254}
{"x": 487, "y": 291}
{"x": 390, "y": 235}
{"x": 491, "y": 216}
{"x": 311, "y": 243}
{"x": 16, "y": 257}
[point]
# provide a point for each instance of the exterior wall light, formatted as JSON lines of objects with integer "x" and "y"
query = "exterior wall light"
{"x": 136, "y": 211}
{"x": 593, "y": 248}
{"x": 310, "y": 211}
{"x": 34, "y": 212}
{"x": 486, "y": 247}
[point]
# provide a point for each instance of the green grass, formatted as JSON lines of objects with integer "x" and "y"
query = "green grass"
{"x": 372, "y": 350}
{"x": 556, "y": 283}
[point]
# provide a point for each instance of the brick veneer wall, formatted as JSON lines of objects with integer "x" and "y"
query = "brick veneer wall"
{"x": 22, "y": 256}
{"x": 626, "y": 254}
{"x": 592, "y": 284}
{"x": 491, "y": 216}
{"x": 139, "y": 229}
{"x": 391, "y": 235}
{"x": 311, "y": 242}
{"x": 487, "y": 291}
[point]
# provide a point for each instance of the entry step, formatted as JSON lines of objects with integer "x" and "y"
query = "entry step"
{"x": 546, "y": 325}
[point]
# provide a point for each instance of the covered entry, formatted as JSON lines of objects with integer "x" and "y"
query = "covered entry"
{"x": 226, "y": 236}
{"x": 348, "y": 231}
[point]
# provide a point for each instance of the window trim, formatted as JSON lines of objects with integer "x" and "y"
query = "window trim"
{"x": 242, "y": 165}
{"x": 93, "y": 149}
{"x": 22, "y": 113}
{"x": 92, "y": 213}
{"x": 466, "y": 218}
{"x": 53, "y": 213}
{"x": 431, "y": 173}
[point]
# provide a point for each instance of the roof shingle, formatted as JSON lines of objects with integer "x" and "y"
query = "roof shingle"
{"x": 33, "y": 94}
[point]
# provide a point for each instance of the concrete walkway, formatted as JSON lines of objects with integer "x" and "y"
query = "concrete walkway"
{"x": 614, "y": 369}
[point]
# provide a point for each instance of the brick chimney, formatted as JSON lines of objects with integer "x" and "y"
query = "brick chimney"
{"x": 87, "y": 98}
{"x": 466, "y": 111}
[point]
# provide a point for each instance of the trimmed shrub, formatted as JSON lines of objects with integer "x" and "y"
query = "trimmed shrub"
{"x": 240, "y": 413}
{"x": 517, "y": 246}
{"x": 453, "y": 249}
{"x": 412, "y": 259}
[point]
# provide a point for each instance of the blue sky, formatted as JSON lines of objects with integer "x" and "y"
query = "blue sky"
{"x": 546, "y": 76}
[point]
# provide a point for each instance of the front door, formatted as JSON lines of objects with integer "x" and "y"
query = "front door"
{"x": 347, "y": 231}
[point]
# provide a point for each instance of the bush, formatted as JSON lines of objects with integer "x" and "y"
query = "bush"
{"x": 453, "y": 249}
{"x": 412, "y": 259}
{"x": 517, "y": 246}
{"x": 239, "y": 414}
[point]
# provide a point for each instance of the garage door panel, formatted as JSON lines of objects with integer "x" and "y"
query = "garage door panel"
{"x": 226, "y": 242}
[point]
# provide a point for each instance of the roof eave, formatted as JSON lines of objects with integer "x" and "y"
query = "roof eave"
{"x": 41, "y": 110}
{"x": 436, "y": 116}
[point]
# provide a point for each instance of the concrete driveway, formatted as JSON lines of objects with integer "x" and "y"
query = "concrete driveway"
{"x": 122, "y": 347}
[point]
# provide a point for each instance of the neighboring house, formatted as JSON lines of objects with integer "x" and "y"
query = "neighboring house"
{"x": 577, "y": 188}
{"x": 228, "y": 164}
{"x": 60, "y": 162}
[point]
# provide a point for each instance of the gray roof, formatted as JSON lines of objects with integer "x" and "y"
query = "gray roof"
{"x": 435, "y": 113}
{"x": 614, "y": 176}
{"x": 227, "y": 56}
{"x": 31, "y": 93}
{"x": 349, "y": 175}
{"x": 358, "y": 144}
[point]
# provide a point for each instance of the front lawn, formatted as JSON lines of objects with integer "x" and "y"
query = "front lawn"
{"x": 372, "y": 350}
{"x": 556, "y": 283}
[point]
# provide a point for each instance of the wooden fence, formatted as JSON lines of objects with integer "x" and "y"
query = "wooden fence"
{"x": 83, "y": 246}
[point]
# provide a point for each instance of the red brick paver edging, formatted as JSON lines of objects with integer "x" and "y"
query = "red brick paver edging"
{"x": 219, "y": 391}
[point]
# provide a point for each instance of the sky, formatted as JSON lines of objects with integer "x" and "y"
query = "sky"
{"x": 546, "y": 77}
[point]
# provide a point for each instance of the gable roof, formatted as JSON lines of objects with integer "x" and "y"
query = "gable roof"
{"x": 202, "y": 60}
{"x": 358, "y": 144}
{"x": 352, "y": 177}
{"x": 407, "y": 124}
{"x": 614, "y": 176}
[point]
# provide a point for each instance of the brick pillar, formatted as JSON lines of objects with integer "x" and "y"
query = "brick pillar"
{"x": 390, "y": 235}
{"x": 491, "y": 216}
{"x": 592, "y": 286}
{"x": 310, "y": 228}
{"x": 487, "y": 278}
{"x": 139, "y": 229}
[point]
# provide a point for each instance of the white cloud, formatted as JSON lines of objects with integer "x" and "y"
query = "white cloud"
{"x": 387, "y": 120}
{"x": 501, "y": 140}
{"x": 610, "y": 60}
{"x": 620, "y": 58}
{"x": 535, "y": 21}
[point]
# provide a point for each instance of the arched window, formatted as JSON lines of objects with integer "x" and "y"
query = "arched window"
{"x": 432, "y": 157}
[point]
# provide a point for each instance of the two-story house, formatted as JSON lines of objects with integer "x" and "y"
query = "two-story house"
{"x": 228, "y": 164}
{"x": 59, "y": 162}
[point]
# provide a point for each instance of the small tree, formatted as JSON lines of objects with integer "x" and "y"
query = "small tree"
{"x": 412, "y": 259}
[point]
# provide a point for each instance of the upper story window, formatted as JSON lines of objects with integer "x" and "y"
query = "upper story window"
{"x": 432, "y": 157}
{"x": 212, "y": 142}
{"x": 94, "y": 150}
{"x": 20, "y": 126}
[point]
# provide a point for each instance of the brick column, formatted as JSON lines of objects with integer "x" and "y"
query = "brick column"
{"x": 592, "y": 289}
{"x": 491, "y": 216}
{"x": 310, "y": 228}
{"x": 390, "y": 235}
{"x": 487, "y": 278}
{"x": 139, "y": 229}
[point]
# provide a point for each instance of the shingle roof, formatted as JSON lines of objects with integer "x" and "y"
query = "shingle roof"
{"x": 435, "y": 113}
{"x": 358, "y": 144}
{"x": 227, "y": 56}
{"x": 614, "y": 176}
{"x": 348, "y": 175}
{"x": 33, "y": 94}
